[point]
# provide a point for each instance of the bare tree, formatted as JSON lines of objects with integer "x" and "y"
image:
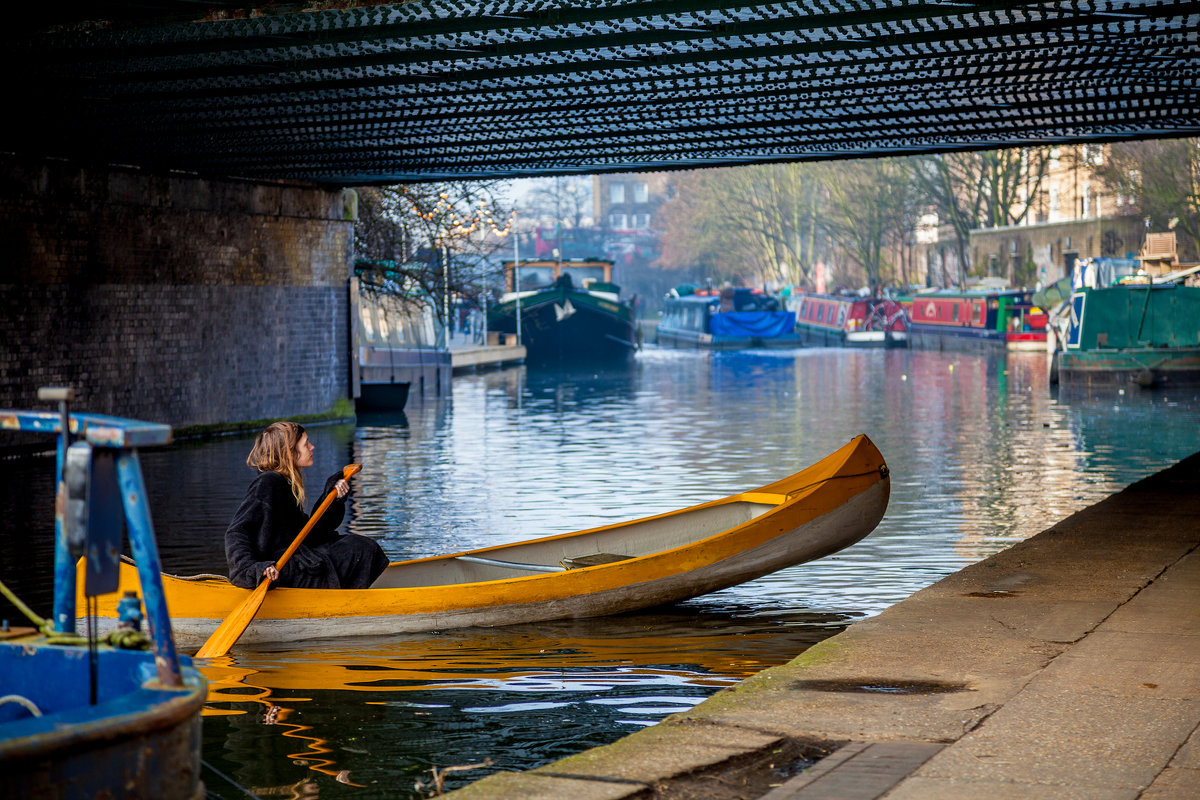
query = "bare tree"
{"x": 744, "y": 223}
{"x": 871, "y": 204}
{"x": 427, "y": 243}
{"x": 981, "y": 189}
{"x": 1162, "y": 179}
{"x": 563, "y": 199}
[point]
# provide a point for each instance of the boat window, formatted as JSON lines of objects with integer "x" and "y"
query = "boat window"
{"x": 954, "y": 313}
{"x": 535, "y": 277}
{"x": 384, "y": 331}
{"x": 364, "y": 313}
{"x": 821, "y": 313}
{"x": 580, "y": 275}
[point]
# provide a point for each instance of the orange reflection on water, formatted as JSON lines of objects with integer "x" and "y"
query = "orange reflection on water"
{"x": 635, "y": 666}
{"x": 475, "y": 658}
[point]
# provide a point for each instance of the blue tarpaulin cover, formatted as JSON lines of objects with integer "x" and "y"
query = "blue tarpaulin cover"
{"x": 761, "y": 324}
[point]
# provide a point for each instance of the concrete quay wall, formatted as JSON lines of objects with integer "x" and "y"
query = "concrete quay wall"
{"x": 173, "y": 298}
{"x": 1067, "y": 666}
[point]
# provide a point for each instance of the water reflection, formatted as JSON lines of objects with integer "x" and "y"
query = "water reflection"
{"x": 983, "y": 453}
{"x": 514, "y": 697}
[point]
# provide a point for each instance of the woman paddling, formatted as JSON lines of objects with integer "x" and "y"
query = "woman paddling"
{"x": 273, "y": 513}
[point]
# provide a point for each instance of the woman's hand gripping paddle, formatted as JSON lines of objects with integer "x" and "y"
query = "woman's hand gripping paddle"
{"x": 229, "y": 631}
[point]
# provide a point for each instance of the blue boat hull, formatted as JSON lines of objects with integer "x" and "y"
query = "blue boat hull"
{"x": 140, "y": 739}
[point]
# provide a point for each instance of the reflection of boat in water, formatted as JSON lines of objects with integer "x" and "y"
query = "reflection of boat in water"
{"x": 118, "y": 717}
{"x": 615, "y": 568}
{"x": 285, "y": 710}
{"x": 696, "y": 647}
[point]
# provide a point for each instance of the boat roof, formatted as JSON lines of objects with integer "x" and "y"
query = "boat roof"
{"x": 949, "y": 293}
{"x": 100, "y": 430}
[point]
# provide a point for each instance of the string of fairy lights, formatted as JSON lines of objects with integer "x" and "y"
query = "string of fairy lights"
{"x": 463, "y": 224}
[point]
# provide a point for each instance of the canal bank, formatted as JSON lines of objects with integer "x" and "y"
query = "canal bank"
{"x": 1066, "y": 666}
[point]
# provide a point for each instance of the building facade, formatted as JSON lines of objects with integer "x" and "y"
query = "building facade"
{"x": 1071, "y": 216}
{"x": 624, "y": 206}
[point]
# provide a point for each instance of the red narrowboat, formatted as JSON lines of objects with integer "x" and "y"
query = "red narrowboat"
{"x": 848, "y": 320}
{"x": 969, "y": 320}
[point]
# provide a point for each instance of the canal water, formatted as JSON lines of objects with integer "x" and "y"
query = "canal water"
{"x": 982, "y": 454}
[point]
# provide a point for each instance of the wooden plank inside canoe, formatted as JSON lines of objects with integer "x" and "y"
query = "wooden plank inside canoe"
{"x": 593, "y": 560}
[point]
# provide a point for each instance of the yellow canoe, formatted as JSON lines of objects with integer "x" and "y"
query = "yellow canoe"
{"x": 622, "y": 567}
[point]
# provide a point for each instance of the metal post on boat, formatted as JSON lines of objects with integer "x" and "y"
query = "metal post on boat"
{"x": 145, "y": 554}
{"x": 484, "y": 286}
{"x": 64, "y": 563}
{"x": 447, "y": 324}
{"x": 517, "y": 276}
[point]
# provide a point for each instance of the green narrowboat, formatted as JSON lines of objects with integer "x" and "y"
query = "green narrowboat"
{"x": 1138, "y": 331}
{"x": 565, "y": 311}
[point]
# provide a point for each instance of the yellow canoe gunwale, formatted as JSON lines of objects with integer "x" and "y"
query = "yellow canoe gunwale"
{"x": 818, "y": 510}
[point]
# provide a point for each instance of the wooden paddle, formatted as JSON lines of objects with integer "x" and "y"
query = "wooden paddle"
{"x": 229, "y": 631}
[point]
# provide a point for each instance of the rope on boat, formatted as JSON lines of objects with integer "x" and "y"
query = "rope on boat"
{"x": 121, "y": 638}
{"x": 42, "y": 625}
{"x": 228, "y": 780}
{"x": 203, "y": 576}
{"x": 28, "y": 704}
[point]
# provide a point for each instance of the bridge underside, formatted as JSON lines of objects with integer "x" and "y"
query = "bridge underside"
{"x": 442, "y": 89}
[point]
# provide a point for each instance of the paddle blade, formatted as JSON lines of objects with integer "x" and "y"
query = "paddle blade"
{"x": 229, "y": 631}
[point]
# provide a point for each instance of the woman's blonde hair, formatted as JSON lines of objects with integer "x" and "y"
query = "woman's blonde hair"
{"x": 275, "y": 451}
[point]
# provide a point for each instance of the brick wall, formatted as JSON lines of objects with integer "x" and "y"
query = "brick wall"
{"x": 172, "y": 298}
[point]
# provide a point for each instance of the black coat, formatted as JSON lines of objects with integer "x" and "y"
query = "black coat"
{"x": 267, "y": 522}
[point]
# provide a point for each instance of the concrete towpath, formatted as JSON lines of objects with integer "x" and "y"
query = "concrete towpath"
{"x": 1067, "y": 666}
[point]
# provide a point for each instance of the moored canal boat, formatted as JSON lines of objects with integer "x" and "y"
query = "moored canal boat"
{"x": 1141, "y": 329}
{"x": 725, "y": 319}
{"x": 1006, "y": 320}
{"x": 400, "y": 347}
{"x": 849, "y": 320}
{"x": 88, "y": 717}
{"x": 596, "y": 572}
{"x": 565, "y": 311}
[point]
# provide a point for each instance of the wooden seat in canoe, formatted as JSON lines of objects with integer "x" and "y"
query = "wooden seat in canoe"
{"x": 593, "y": 560}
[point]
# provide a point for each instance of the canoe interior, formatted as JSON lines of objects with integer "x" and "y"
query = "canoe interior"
{"x": 631, "y": 539}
